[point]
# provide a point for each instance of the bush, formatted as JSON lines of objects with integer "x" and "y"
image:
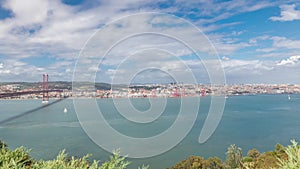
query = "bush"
{"x": 281, "y": 158}
{"x": 254, "y": 153}
{"x": 196, "y": 162}
{"x": 234, "y": 157}
{"x": 63, "y": 162}
{"x": 293, "y": 157}
{"x": 20, "y": 159}
{"x": 115, "y": 162}
{"x": 2, "y": 145}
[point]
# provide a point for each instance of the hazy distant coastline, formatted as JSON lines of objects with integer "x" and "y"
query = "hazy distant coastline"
{"x": 105, "y": 90}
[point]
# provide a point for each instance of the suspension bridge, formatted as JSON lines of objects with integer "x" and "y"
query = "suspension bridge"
{"x": 45, "y": 91}
{"x": 45, "y": 99}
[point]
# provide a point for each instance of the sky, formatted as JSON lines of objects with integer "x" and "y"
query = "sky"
{"x": 254, "y": 41}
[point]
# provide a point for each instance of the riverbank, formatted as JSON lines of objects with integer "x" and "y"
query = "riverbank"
{"x": 148, "y": 90}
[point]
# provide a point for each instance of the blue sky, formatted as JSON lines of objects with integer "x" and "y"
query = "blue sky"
{"x": 257, "y": 41}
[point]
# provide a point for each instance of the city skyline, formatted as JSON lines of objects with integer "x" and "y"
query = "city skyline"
{"x": 65, "y": 89}
{"x": 257, "y": 41}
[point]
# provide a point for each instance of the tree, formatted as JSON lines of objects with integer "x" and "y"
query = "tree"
{"x": 234, "y": 157}
{"x": 115, "y": 162}
{"x": 20, "y": 159}
{"x": 2, "y": 145}
{"x": 196, "y": 162}
{"x": 279, "y": 148}
{"x": 254, "y": 153}
{"x": 293, "y": 160}
{"x": 215, "y": 163}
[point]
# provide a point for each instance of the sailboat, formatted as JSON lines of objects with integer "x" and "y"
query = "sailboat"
{"x": 65, "y": 110}
{"x": 289, "y": 97}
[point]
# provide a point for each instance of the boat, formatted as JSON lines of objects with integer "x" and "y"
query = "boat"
{"x": 65, "y": 110}
{"x": 45, "y": 102}
{"x": 289, "y": 97}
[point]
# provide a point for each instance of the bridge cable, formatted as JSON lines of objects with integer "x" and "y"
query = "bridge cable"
{"x": 29, "y": 111}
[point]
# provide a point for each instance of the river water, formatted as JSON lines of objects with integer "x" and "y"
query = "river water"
{"x": 258, "y": 121}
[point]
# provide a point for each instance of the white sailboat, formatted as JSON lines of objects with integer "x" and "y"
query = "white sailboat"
{"x": 289, "y": 97}
{"x": 65, "y": 110}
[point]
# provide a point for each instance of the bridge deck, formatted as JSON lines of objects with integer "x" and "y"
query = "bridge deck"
{"x": 3, "y": 95}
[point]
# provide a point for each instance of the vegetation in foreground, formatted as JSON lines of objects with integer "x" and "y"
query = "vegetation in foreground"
{"x": 281, "y": 158}
{"x": 20, "y": 159}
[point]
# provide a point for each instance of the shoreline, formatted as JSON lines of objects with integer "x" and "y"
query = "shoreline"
{"x": 190, "y": 96}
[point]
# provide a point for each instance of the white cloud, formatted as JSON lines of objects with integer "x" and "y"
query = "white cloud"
{"x": 285, "y": 42}
{"x": 28, "y": 11}
{"x": 235, "y": 65}
{"x": 265, "y": 50}
{"x": 49, "y": 27}
{"x": 293, "y": 60}
{"x": 250, "y": 71}
{"x": 254, "y": 40}
{"x": 256, "y": 71}
{"x": 287, "y": 13}
{"x": 228, "y": 46}
{"x": 18, "y": 64}
{"x": 225, "y": 58}
{"x": 275, "y": 46}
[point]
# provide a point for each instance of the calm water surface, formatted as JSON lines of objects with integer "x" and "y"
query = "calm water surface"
{"x": 258, "y": 121}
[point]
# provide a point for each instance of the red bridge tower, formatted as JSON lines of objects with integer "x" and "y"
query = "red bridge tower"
{"x": 45, "y": 89}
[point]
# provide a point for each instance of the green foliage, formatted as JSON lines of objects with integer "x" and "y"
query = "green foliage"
{"x": 251, "y": 160}
{"x": 293, "y": 157}
{"x": 63, "y": 162}
{"x": 20, "y": 159}
{"x": 195, "y": 162}
{"x": 281, "y": 158}
{"x": 265, "y": 161}
{"x": 254, "y": 153}
{"x": 279, "y": 148}
{"x": 115, "y": 162}
{"x": 2, "y": 145}
{"x": 234, "y": 157}
{"x": 214, "y": 163}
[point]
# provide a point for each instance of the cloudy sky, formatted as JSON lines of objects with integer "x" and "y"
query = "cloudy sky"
{"x": 256, "y": 41}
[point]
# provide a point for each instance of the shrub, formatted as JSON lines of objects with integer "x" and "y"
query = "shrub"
{"x": 20, "y": 159}
{"x": 115, "y": 162}
{"x": 254, "y": 153}
{"x": 2, "y": 145}
{"x": 293, "y": 157}
{"x": 234, "y": 157}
